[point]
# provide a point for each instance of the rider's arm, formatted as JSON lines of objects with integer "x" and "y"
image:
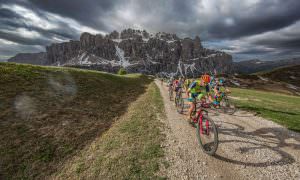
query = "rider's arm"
{"x": 193, "y": 84}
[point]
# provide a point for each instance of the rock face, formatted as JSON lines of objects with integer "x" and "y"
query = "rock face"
{"x": 139, "y": 51}
{"x": 30, "y": 58}
{"x": 60, "y": 53}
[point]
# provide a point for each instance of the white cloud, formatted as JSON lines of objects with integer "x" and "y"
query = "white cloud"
{"x": 229, "y": 21}
{"x": 30, "y": 17}
{"x": 6, "y": 42}
{"x": 45, "y": 20}
{"x": 25, "y": 33}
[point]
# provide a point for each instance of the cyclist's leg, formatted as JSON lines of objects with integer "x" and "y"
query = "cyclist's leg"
{"x": 186, "y": 91}
{"x": 210, "y": 98}
{"x": 191, "y": 109}
{"x": 191, "y": 100}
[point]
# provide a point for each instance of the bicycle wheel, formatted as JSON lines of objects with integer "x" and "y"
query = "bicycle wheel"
{"x": 170, "y": 94}
{"x": 180, "y": 105}
{"x": 227, "y": 107}
{"x": 176, "y": 100}
{"x": 207, "y": 134}
{"x": 193, "y": 118}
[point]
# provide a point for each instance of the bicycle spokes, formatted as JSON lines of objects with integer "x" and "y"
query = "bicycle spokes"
{"x": 207, "y": 135}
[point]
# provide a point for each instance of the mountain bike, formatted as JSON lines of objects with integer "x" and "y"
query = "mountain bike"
{"x": 179, "y": 102}
{"x": 206, "y": 130}
{"x": 226, "y": 106}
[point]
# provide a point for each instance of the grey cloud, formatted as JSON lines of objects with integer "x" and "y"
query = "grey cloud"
{"x": 86, "y": 12}
{"x": 10, "y": 22}
{"x": 269, "y": 15}
{"x": 214, "y": 21}
{"x": 7, "y": 49}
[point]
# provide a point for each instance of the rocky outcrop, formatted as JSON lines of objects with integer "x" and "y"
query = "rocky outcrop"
{"x": 139, "y": 51}
{"x": 114, "y": 35}
{"x": 60, "y": 53}
{"x": 30, "y": 58}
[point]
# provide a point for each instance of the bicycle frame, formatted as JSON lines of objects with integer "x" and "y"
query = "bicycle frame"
{"x": 178, "y": 93}
{"x": 199, "y": 119}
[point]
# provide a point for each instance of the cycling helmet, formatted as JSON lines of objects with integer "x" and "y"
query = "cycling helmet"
{"x": 205, "y": 78}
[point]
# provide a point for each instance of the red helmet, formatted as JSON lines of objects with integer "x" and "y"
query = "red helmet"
{"x": 205, "y": 78}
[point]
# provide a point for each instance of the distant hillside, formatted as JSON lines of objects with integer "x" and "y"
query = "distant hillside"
{"x": 255, "y": 65}
{"x": 283, "y": 80}
{"x": 289, "y": 75}
{"x": 30, "y": 58}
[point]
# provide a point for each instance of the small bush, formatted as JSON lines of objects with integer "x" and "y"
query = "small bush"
{"x": 122, "y": 71}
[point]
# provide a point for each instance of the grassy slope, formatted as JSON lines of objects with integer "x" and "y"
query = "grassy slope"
{"x": 129, "y": 150}
{"x": 283, "y": 74}
{"x": 47, "y": 114}
{"x": 280, "y": 108}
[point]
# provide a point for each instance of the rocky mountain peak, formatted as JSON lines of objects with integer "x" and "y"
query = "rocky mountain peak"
{"x": 139, "y": 51}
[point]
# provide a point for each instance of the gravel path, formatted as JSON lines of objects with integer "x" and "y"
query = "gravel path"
{"x": 250, "y": 148}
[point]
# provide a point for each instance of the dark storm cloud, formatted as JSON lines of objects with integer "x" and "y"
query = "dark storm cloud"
{"x": 268, "y": 15}
{"x": 232, "y": 25}
{"x": 23, "y": 40}
{"x": 88, "y": 12}
{"x": 286, "y": 43}
{"x": 8, "y": 14}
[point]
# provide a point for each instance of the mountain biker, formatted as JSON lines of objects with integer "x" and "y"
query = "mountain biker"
{"x": 187, "y": 83}
{"x": 179, "y": 84}
{"x": 196, "y": 91}
{"x": 170, "y": 82}
{"x": 217, "y": 96}
{"x": 175, "y": 84}
{"x": 219, "y": 92}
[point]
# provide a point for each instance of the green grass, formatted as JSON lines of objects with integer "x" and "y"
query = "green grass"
{"x": 48, "y": 114}
{"x": 129, "y": 150}
{"x": 280, "y": 108}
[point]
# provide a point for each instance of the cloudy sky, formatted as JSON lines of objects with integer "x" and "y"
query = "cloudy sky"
{"x": 265, "y": 29}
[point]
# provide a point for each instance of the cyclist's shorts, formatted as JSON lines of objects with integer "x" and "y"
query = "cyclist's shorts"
{"x": 216, "y": 103}
{"x": 177, "y": 89}
{"x": 193, "y": 96}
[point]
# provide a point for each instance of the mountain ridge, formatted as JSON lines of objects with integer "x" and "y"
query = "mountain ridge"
{"x": 138, "y": 51}
{"x": 256, "y": 65}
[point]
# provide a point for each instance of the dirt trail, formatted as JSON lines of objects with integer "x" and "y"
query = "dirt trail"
{"x": 250, "y": 148}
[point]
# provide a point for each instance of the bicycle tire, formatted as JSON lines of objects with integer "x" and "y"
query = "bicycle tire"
{"x": 170, "y": 94}
{"x": 180, "y": 105}
{"x": 228, "y": 107}
{"x": 176, "y": 100}
{"x": 204, "y": 147}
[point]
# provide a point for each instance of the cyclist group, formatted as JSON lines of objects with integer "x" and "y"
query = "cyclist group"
{"x": 205, "y": 89}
